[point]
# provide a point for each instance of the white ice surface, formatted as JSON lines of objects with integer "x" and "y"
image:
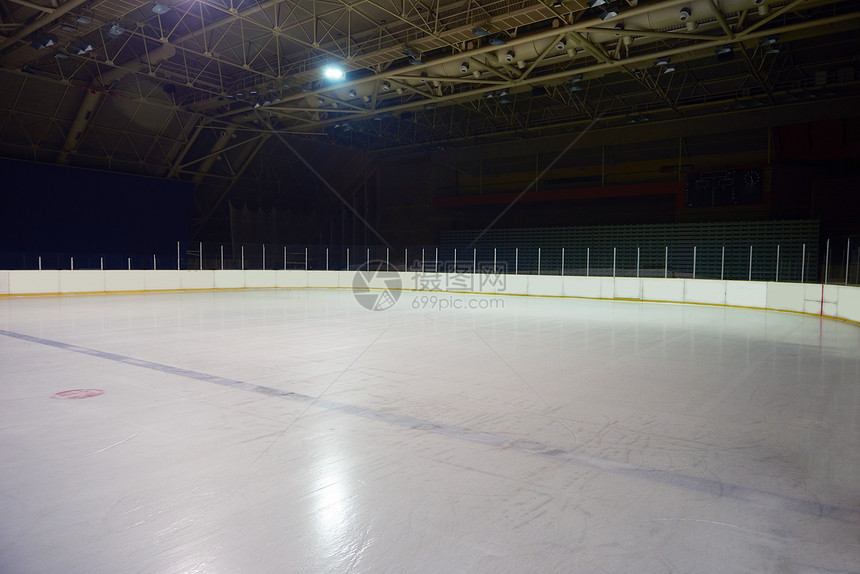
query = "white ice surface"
{"x": 294, "y": 431}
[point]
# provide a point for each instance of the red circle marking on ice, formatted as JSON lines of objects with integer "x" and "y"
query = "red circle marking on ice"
{"x": 78, "y": 394}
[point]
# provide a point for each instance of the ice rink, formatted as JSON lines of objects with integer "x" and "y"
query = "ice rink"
{"x": 293, "y": 431}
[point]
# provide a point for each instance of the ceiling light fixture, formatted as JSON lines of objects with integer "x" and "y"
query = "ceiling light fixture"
{"x": 724, "y": 53}
{"x": 464, "y": 67}
{"x": 84, "y": 48}
{"x": 115, "y": 31}
{"x": 44, "y": 42}
{"x": 333, "y": 73}
{"x": 480, "y": 31}
{"x": 607, "y": 10}
{"x": 769, "y": 45}
{"x": 160, "y": 8}
{"x": 509, "y": 56}
{"x": 608, "y": 14}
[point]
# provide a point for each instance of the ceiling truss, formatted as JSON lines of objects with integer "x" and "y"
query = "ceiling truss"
{"x": 193, "y": 93}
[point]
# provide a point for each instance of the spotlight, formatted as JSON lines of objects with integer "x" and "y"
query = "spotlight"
{"x": 415, "y": 56}
{"x": 366, "y": 99}
{"x": 386, "y": 86}
{"x": 115, "y": 31}
{"x": 44, "y": 42}
{"x": 333, "y": 73}
{"x": 560, "y": 45}
{"x": 724, "y": 53}
{"x": 769, "y": 45}
{"x": 464, "y": 67}
{"x": 758, "y": 2}
{"x": 618, "y": 28}
{"x": 509, "y": 56}
{"x": 352, "y": 94}
{"x": 683, "y": 14}
{"x": 321, "y": 101}
{"x": 160, "y": 8}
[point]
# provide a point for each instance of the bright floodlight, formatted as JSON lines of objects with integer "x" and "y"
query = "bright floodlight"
{"x": 333, "y": 73}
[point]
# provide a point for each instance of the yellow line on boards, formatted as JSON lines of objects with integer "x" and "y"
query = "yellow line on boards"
{"x": 615, "y": 299}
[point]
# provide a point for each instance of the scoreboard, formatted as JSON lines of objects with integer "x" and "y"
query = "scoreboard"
{"x": 724, "y": 187}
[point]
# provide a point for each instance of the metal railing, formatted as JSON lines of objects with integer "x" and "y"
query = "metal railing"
{"x": 835, "y": 261}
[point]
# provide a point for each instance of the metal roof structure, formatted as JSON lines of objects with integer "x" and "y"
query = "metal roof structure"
{"x": 193, "y": 89}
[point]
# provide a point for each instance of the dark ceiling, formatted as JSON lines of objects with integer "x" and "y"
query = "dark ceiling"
{"x": 195, "y": 92}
